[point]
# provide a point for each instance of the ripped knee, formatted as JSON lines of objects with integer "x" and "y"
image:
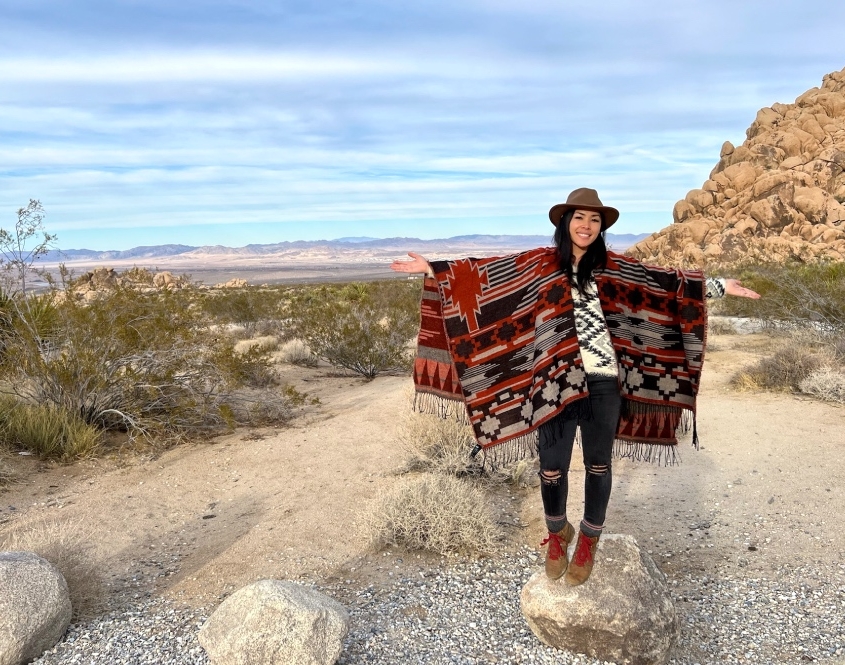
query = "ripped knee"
{"x": 550, "y": 476}
{"x": 598, "y": 469}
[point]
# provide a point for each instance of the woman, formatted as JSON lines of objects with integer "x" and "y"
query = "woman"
{"x": 544, "y": 342}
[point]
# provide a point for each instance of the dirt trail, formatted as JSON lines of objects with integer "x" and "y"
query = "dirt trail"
{"x": 201, "y": 520}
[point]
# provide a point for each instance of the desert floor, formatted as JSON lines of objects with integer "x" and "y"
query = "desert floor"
{"x": 198, "y": 521}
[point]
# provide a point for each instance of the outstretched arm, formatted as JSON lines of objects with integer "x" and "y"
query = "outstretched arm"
{"x": 733, "y": 287}
{"x": 719, "y": 287}
{"x": 418, "y": 263}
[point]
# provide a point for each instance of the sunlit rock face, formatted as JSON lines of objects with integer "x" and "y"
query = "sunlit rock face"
{"x": 778, "y": 197}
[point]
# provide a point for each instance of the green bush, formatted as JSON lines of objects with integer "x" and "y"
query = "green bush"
{"x": 248, "y": 307}
{"x": 47, "y": 431}
{"x": 364, "y": 328}
{"x": 141, "y": 362}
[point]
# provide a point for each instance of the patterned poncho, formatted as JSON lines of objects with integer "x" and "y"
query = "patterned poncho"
{"x": 498, "y": 346}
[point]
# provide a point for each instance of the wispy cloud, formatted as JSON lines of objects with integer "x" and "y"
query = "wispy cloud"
{"x": 368, "y": 116}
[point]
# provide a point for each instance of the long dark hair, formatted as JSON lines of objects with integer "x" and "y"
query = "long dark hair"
{"x": 595, "y": 258}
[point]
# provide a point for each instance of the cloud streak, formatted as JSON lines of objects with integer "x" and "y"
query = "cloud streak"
{"x": 367, "y": 117}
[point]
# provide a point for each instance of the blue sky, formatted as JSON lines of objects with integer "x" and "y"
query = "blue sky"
{"x": 151, "y": 122}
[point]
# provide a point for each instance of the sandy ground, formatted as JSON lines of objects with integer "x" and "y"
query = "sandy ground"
{"x": 199, "y": 521}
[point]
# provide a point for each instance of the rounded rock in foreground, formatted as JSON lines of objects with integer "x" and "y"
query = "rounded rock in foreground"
{"x": 623, "y": 613}
{"x": 275, "y": 622}
{"x": 35, "y": 607}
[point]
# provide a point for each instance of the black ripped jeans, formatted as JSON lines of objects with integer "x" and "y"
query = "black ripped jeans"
{"x": 557, "y": 438}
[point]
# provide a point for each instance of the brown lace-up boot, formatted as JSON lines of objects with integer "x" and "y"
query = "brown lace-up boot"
{"x": 556, "y": 558}
{"x": 582, "y": 561}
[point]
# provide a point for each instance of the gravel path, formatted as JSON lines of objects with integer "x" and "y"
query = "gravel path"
{"x": 468, "y": 613}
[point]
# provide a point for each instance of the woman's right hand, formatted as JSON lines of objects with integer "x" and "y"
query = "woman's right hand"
{"x": 417, "y": 263}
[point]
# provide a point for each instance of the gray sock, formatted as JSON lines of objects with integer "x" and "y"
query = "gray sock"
{"x": 590, "y": 530}
{"x": 555, "y": 524}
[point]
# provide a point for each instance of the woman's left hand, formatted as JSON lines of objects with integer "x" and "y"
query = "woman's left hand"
{"x": 733, "y": 287}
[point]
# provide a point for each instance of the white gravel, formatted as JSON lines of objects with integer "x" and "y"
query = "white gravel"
{"x": 468, "y": 613}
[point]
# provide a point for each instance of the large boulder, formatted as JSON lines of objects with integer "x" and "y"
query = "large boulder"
{"x": 623, "y": 613}
{"x": 275, "y": 622}
{"x": 778, "y": 197}
{"x": 165, "y": 280}
{"x": 35, "y": 608}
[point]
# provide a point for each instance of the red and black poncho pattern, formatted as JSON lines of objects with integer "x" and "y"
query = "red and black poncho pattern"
{"x": 497, "y": 340}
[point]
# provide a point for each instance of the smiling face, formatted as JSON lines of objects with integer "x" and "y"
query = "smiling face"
{"x": 584, "y": 228}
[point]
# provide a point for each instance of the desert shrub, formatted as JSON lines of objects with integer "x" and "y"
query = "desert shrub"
{"x": 826, "y": 384}
{"x": 439, "y": 445}
{"x": 811, "y": 295}
{"x": 250, "y": 367}
{"x": 718, "y": 326}
{"x": 784, "y": 370}
{"x": 443, "y": 445}
{"x": 249, "y": 307}
{"x": 132, "y": 361}
{"x": 251, "y": 406}
{"x": 68, "y": 545}
{"x": 361, "y": 328}
{"x": 434, "y": 512}
{"x": 48, "y": 431}
{"x": 143, "y": 276}
{"x": 263, "y": 343}
{"x": 296, "y": 352}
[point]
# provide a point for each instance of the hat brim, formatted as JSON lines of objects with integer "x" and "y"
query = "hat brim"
{"x": 558, "y": 211}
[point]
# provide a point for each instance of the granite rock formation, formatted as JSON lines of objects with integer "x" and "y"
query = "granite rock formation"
{"x": 776, "y": 198}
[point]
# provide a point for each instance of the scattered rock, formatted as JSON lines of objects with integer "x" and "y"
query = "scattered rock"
{"x": 35, "y": 607}
{"x": 234, "y": 283}
{"x": 778, "y": 197}
{"x": 272, "y": 621}
{"x": 623, "y": 613}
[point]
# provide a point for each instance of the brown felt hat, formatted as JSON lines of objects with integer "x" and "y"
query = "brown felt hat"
{"x": 584, "y": 198}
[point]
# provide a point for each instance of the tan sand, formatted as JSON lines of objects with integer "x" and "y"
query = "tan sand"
{"x": 200, "y": 520}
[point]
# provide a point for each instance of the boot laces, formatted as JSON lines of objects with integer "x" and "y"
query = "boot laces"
{"x": 555, "y": 550}
{"x": 583, "y": 551}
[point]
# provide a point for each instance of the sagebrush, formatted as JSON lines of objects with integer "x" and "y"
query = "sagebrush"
{"x": 785, "y": 369}
{"x": 826, "y": 384}
{"x": 434, "y": 512}
{"x": 438, "y": 445}
{"x": 296, "y": 352}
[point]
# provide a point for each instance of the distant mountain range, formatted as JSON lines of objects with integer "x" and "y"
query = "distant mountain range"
{"x": 374, "y": 246}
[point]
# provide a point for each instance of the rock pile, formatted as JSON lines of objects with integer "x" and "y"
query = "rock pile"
{"x": 89, "y": 285}
{"x": 777, "y": 197}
